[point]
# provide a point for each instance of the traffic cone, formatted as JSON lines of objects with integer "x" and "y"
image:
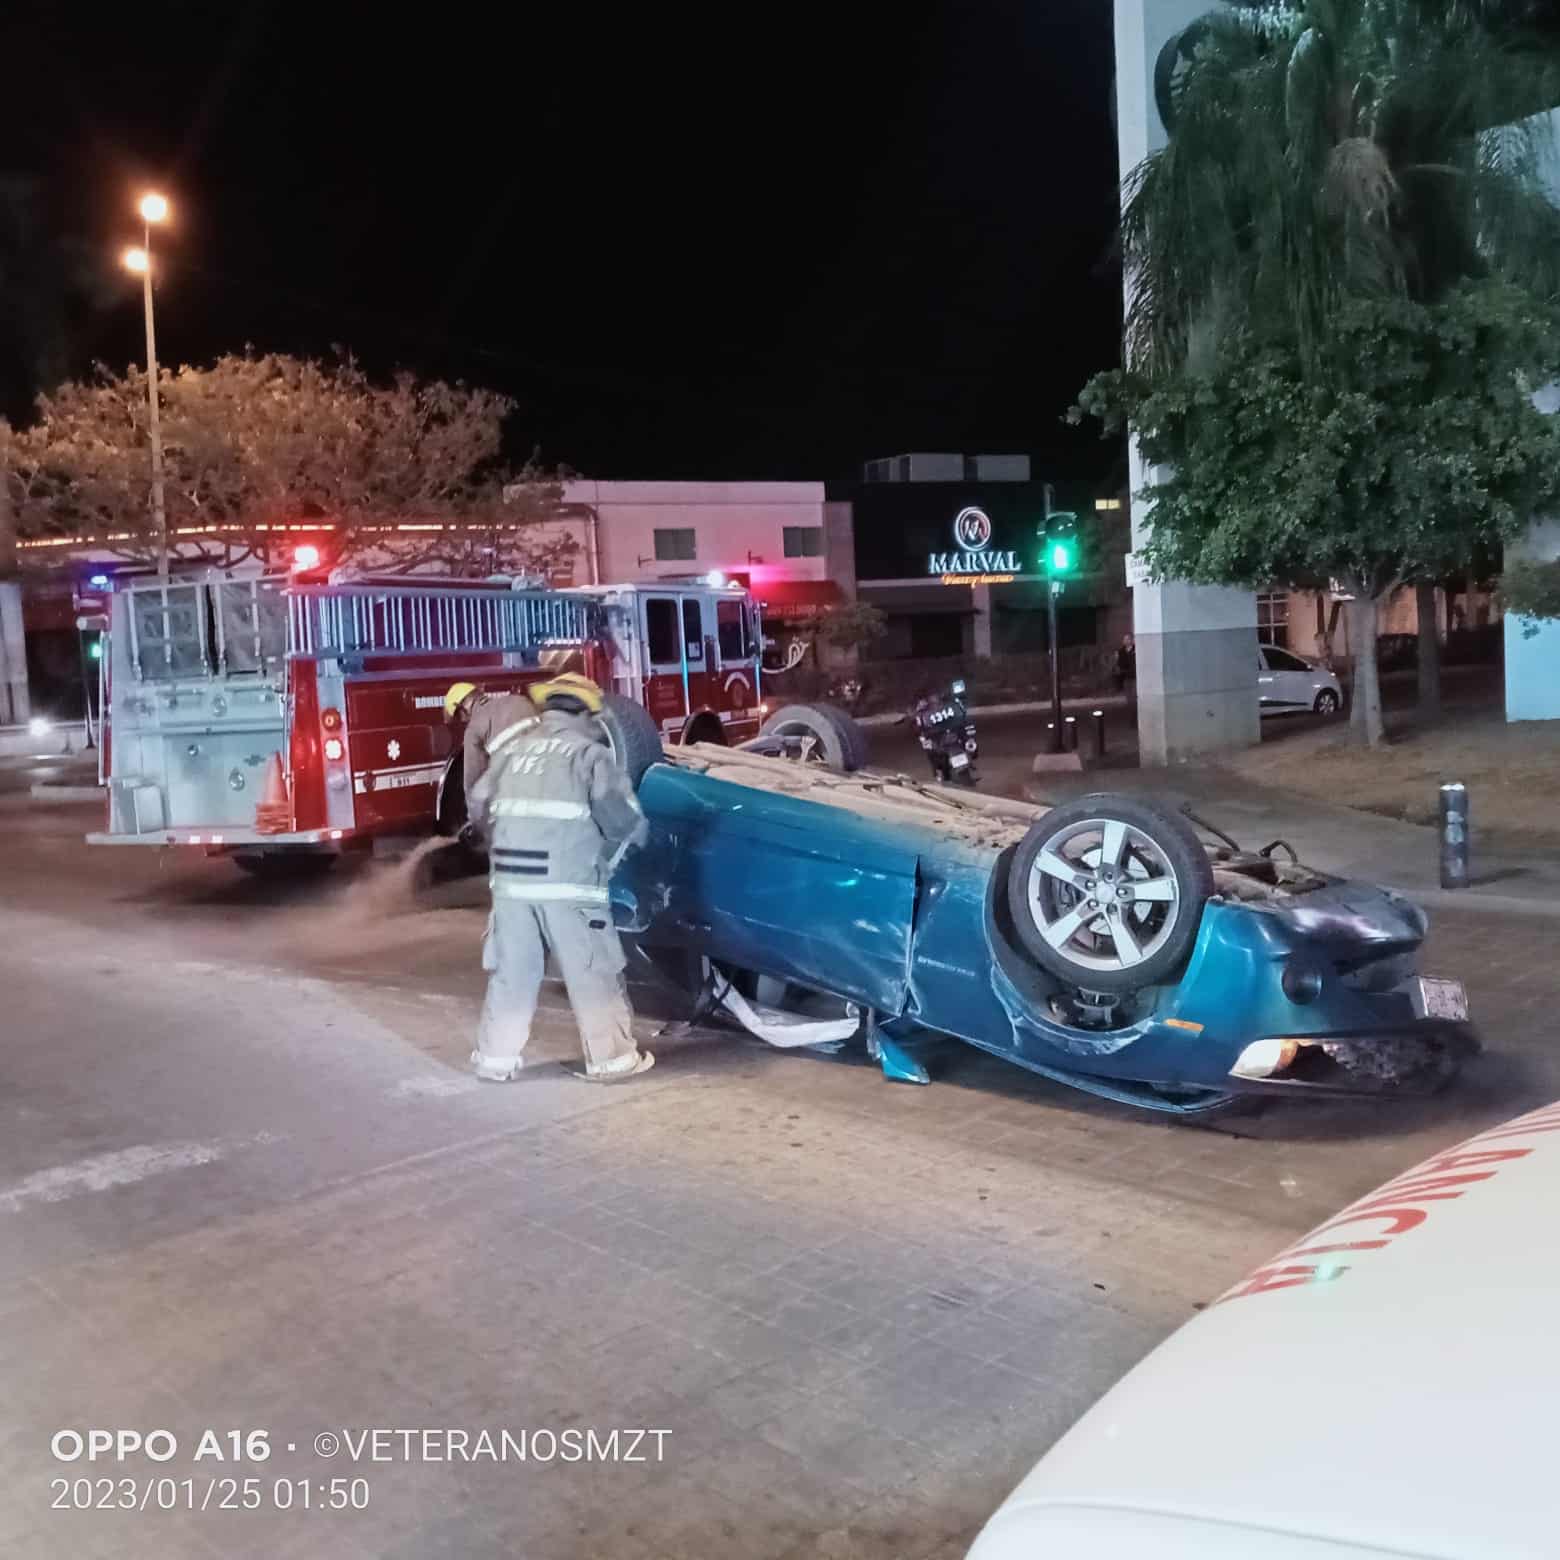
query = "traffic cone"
{"x": 273, "y": 812}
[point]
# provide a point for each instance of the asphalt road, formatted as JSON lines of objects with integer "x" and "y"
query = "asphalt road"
{"x": 246, "y": 1183}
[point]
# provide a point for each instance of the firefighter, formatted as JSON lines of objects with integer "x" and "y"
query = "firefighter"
{"x": 492, "y": 720}
{"x": 559, "y": 813}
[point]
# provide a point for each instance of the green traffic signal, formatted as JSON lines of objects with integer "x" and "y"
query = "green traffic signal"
{"x": 95, "y": 650}
{"x": 1061, "y": 545}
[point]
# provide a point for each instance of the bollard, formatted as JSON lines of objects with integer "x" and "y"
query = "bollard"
{"x": 1099, "y": 733}
{"x": 1454, "y": 835}
{"x": 1070, "y": 734}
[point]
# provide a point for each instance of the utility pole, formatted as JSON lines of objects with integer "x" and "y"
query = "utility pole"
{"x": 1061, "y": 559}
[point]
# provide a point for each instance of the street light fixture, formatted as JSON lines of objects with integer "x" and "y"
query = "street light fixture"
{"x": 153, "y": 208}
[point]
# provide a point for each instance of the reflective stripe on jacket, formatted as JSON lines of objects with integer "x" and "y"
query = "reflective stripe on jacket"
{"x": 557, "y": 806}
{"x": 497, "y": 720}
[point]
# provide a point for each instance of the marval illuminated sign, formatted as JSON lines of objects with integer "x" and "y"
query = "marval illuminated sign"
{"x": 974, "y": 563}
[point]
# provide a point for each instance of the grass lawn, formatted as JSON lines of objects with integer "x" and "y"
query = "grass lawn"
{"x": 1512, "y": 772}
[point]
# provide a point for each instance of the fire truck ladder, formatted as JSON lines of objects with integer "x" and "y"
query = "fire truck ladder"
{"x": 333, "y": 621}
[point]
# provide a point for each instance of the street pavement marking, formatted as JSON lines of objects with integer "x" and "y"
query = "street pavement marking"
{"x": 436, "y": 1087}
{"x": 124, "y": 1167}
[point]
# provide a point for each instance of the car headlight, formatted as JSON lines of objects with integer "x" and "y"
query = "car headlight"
{"x": 1264, "y": 1058}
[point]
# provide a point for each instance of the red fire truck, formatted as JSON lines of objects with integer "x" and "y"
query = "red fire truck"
{"x": 284, "y": 719}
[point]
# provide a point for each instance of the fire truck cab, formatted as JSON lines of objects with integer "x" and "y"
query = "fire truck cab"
{"x": 286, "y": 718}
{"x": 689, "y": 653}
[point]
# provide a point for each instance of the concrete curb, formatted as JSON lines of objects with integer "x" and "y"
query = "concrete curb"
{"x": 68, "y": 793}
{"x": 1487, "y": 904}
{"x": 1033, "y": 707}
{"x": 56, "y": 742}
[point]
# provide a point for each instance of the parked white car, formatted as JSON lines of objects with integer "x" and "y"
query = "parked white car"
{"x": 1286, "y": 683}
{"x": 1382, "y": 1389}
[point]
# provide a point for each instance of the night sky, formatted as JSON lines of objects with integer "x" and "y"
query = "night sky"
{"x": 753, "y": 242}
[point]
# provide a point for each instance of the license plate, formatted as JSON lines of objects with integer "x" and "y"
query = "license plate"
{"x": 1435, "y": 998}
{"x": 960, "y": 760}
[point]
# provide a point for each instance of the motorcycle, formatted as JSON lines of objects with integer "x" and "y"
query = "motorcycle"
{"x": 947, "y": 735}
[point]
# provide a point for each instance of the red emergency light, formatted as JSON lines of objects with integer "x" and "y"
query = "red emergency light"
{"x": 306, "y": 557}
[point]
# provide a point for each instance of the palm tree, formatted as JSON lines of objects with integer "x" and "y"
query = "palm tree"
{"x": 1327, "y": 149}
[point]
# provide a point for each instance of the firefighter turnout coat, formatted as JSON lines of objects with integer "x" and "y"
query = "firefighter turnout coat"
{"x": 558, "y": 813}
{"x": 496, "y": 720}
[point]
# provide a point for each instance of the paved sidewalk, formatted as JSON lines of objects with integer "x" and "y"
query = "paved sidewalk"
{"x": 1333, "y": 839}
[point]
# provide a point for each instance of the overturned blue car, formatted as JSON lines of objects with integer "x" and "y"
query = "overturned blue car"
{"x": 1102, "y": 943}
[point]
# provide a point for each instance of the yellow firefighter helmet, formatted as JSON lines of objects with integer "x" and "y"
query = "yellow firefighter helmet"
{"x": 457, "y": 696}
{"x": 570, "y": 691}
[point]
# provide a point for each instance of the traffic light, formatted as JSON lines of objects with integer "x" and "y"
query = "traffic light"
{"x": 95, "y": 650}
{"x": 1059, "y": 558}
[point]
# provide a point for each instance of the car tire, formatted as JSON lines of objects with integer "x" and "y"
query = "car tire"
{"x": 631, "y": 735}
{"x": 1327, "y": 702}
{"x": 295, "y": 866}
{"x": 852, "y": 733}
{"x": 1139, "y": 937}
{"x": 450, "y": 807}
{"x": 835, "y": 739}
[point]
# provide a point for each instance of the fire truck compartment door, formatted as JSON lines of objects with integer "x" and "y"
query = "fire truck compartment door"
{"x": 135, "y": 807}
{"x": 204, "y": 767}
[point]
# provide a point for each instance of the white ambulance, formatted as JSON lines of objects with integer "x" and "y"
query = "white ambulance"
{"x": 1381, "y": 1389}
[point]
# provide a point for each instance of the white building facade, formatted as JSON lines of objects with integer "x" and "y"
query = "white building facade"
{"x": 783, "y": 540}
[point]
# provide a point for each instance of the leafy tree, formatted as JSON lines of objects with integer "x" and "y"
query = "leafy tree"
{"x": 1532, "y": 593}
{"x": 253, "y": 445}
{"x": 1328, "y": 162}
{"x": 853, "y": 626}
{"x": 1408, "y": 433}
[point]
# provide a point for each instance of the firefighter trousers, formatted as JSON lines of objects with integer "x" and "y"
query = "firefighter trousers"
{"x": 589, "y": 956}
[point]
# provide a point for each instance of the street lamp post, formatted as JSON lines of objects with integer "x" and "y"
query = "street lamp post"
{"x": 154, "y": 208}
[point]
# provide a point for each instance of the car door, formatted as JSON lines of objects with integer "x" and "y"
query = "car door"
{"x": 698, "y": 648}
{"x": 666, "y": 690}
{"x": 1290, "y": 682}
{"x": 1267, "y": 692}
{"x": 777, "y": 884}
{"x": 734, "y": 689}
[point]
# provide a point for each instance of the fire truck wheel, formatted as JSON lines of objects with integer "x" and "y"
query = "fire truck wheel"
{"x": 290, "y": 866}
{"x": 631, "y": 735}
{"x": 816, "y": 735}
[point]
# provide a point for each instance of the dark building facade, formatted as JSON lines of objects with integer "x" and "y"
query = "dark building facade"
{"x": 949, "y": 548}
